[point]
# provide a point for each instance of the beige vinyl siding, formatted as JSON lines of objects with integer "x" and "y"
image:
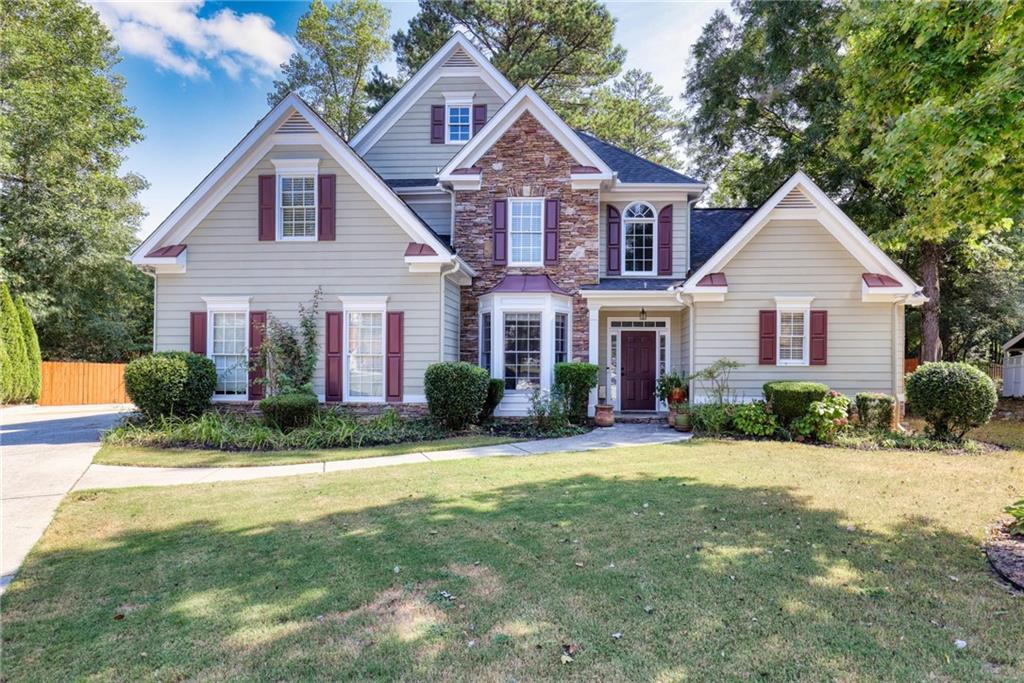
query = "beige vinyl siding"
{"x": 680, "y": 235}
{"x": 678, "y": 336}
{"x": 452, "y": 318}
{"x": 790, "y": 258}
{"x": 405, "y": 151}
{"x": 225, "y": 258}
{"x": 436, "y": 211}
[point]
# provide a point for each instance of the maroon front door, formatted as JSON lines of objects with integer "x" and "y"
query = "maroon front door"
{"x": 639, "y": 370}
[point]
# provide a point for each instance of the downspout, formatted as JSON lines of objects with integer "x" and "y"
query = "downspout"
{"x": 149, "y": 271}
{"x": 691, "y": 315}
{"x": 441, "y": 302}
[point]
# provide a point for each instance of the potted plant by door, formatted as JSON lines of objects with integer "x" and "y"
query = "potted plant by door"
{"x": 603, "y": 415}
{"x": 683, "y": 423}
{"x": 671, "y": 389}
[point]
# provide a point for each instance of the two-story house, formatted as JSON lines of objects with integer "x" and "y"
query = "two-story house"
{"x": 467, "y": 220}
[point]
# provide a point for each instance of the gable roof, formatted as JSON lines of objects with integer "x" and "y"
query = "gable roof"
{"x": 822, "y": 209}
{"x": 253, "y": 147}
{"x": 453, "y": 58}
{"x": 711, "y": 228}
{"x": 525, "y": 100}
{"x": 1015, "y": 342}
{"x": 632, "y": 168}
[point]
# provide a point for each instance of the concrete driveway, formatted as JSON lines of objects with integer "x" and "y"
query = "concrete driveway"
{"x": 43, "y": 452}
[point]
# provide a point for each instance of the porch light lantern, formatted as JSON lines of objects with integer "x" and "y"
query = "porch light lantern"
{"x": 643, "y": 315}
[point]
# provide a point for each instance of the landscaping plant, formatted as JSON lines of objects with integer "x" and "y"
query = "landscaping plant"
{"x": 953, "y": 398}
{"x": 824, "y": 419}
{"x": 549, "y": 410}
{"x": 15, "y": 376}
{"x": 1017, "y": 512}
{"x": 495, "y": 392}
{"x": 574, "y": 381}
{"x": 288, "y": 353}
{"x": 713, "y": 419}
{"x": 754, "y": 419}
{"x": 170, "y": 383}
{"x": 669, "y": 382}
{"x": 289, "y": 411}
{"x": 791, "y": 399}
{"x": 34, "y": 357}
{"x": 456, "y": 392}
{"x": 716, "y": 379}
{"x": 875, "y": 410}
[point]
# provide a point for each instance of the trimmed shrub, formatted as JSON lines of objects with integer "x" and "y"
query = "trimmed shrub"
{"x": 574, "y": 381}
{"x": 824, "y": 419}
{"x": 17, "y": 385}
{"x": 35, "y": 358}
{"x": 495, "y": 392}
{"x": 953, "y": 398}
{"x": 456, "y": 392}
{"x": 875, "y": 410}
{"x": 289, "y": 411}
{"x": 713, "y": 419}
{"x": 549, "y": 410}
{"x": 790, "y": 399}
{"x": 754, "y": 419}
{"x": 170, "y": 383}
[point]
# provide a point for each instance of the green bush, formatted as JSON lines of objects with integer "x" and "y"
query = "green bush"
{"x": 824, "y": 419}
{"x": 790, "y": 399}
{"x": 456, "y": 392}
{"x": 289, "y": 411}
{"x": 35, "y": 358}
{"x": 953, "y": 398}
{"x": 713, "y": 419}
{"x": 495, "y": 392}
{"x": 574, "y": 381}
{"x": 1017, "y": 512}
{"x": 16, "y": 380}
{"x": 875, "y": 410}
{"x": 549, "y": 410}
{"x": 754, "y": 419}
{"x": 170, "y": 383}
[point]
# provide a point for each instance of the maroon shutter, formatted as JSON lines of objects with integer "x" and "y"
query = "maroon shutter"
{"x": 551, "y": 232}
{"x": 257, "y": 328}
{"x": 479, "y": 117}
{"x": 333, "y": 346}
{"x": 665, "y": 241}
{"x": 437, "y": 124}
{"x": 395, "y": 335}
{"x": 766, "y": 336}
{"x": 819, "y": 337}
{"x": 197, "y": 332}
{"x": 325, "y": 202}
{"x": 500, "y": 231}
{"x": 614, "y": 237}
{"x": 267, "y": 212}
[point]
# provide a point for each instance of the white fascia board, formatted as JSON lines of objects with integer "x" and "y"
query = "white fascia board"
{"x": 165, "y": 264}
{"x": 1008, "y": 345}
{"x": 598, "y": 298}
{"x": 421, "y": 81}
{"x": 524, "y": 100}
{"x": 589, "y": 181}
{"x": 466, "y": 182}
{"x": 831, "y": 218}
{"x": 687, "y": 188}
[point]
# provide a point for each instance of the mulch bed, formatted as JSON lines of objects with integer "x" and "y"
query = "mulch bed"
{"x": 1006, "y": 555}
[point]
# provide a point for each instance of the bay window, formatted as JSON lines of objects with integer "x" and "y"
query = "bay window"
{"x": 485, "y": 341}
{"x": 522, "y": 348}
{"x": 561, "y": 338}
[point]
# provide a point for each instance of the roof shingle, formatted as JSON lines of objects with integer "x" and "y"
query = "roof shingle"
{"x": 712, "y": 228}
{"x": 630, "y": 167}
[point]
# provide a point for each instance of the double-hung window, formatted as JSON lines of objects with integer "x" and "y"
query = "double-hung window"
{"x": 638, "y": 239}
{"x": 365, "y": 330}
{"x": 561, "y": 338}
{"x": 485, "y": 342}
{"x": 229, "y": 350}
{"x": 458, "y": 124}
{"x": 526, "y": 231}
{"x": 522, "y": 341}
{"x": 296, "y": 198}
{"x": 792, "y": 337}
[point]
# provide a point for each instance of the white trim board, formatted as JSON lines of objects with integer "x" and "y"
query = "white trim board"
{"x": 828, "y": 214}
{"x": 428, "y": 74}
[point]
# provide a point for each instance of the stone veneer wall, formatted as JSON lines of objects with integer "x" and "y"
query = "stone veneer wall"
{"x": 527, "y": 161}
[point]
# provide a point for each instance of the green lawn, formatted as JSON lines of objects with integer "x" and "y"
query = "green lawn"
{"x": 714, "y": 560}
{"x": 187, "y": 457}
{"x": 1005, "y": 433}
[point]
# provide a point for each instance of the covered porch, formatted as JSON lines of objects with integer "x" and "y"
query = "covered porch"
{"x": 634, "y": 338}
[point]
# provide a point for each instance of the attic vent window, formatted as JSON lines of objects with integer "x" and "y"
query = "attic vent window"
{"x": 295, "y": 124}
{"x": 459, "y": 58}
{"x": 796, "y": 200}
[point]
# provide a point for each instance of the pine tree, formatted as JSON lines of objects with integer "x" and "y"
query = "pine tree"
{"x": 5, "y": 371}
{"x": 16, "y": 352}
{"x": 35, "y": 358}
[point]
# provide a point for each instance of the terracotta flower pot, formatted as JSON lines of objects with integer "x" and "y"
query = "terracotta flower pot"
{"x": 603, "y": 416}
{"x": 677, "y": 395}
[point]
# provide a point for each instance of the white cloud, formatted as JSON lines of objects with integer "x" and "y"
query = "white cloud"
{"x": 176, "y": 38}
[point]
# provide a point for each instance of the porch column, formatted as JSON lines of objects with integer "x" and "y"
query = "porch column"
{"x": 594, "y": 336}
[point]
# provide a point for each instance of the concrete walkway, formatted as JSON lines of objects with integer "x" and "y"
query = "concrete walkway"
{"x": 43, "y": 453}
{"x": 117, "y": 476}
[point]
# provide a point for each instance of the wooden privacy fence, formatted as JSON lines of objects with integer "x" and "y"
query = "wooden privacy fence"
{"x": 66, "y": 384}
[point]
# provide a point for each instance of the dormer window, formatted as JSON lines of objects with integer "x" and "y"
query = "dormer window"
{"x": 458, "y": 118}
{"x": 638, "y": 240}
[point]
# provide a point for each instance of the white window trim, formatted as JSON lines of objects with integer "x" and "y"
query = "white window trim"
{"x": 793, "y": 304}
{"x": 665, "y": 332}
{"x": 484, "y": 343}
{"x": 457, "y": 99}
{"x": 296, "y": 168}
{"x": 228, "y": 304}
{"x": 653, "y": 272}
{"x": 363, "y": 304}
{"x": 508, "y": 219}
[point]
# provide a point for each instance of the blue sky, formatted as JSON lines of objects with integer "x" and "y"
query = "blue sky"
{"x": 198, "y": 73}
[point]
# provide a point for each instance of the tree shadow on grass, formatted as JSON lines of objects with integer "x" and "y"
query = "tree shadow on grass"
{"x": 701, "y": 581}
